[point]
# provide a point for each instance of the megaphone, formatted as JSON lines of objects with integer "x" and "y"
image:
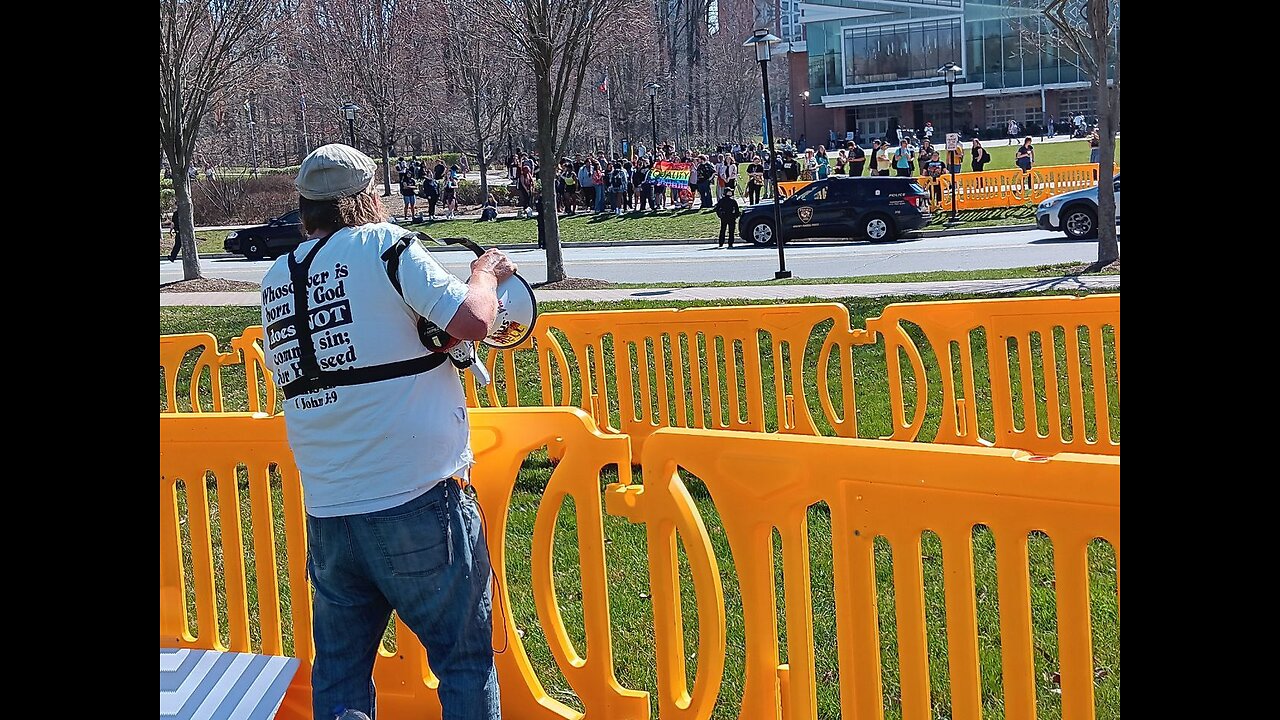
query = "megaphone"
{"x": 517, "y": 306}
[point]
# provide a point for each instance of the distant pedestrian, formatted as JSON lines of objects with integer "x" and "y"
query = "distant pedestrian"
{"x": 465, "y": 163}
{"x": 902, "y": 159}
{"x": 875, "y": 157}
{"x": 1026, "y": 156}
{"x": 922, "y": 157}
{"x": 934, "y": 168}
{"x": 1013, "y": 131}
{"x": 569, "y": 178}
{"x": 728, "y": 211}
{"x": 450, "y": 195}
{"x": 439, "y": 170}
{"x": 618, "y": 185}
{"x": 857, "y": 158}
{"x": 706, "y": 174}
{"x": 824, "y": 163}
{"x": 1048, "y": 131}
{"x": 978, "y": 156}
{"x": 755, "y": 179}
{"x": 430, "y": 189}
{"x": 587, "y": 185}
{"x": 489, "y": 212}
{"x": 928, "y": 131}
{"x": 955, "y": 159}
{"x": 1094, "y": 140}
{"x": 524, "y": 192}
{"x": 409, "y": 194}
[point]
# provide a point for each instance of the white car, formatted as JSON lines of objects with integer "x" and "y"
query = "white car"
{"x": 1074, "y": 213}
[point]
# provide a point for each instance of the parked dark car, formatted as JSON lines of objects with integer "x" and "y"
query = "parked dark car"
{"x": 878, "y": 209}
{"x": 275, "y": 237}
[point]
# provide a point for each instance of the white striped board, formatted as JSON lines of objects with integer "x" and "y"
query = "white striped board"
{"x": 212, "y": 685}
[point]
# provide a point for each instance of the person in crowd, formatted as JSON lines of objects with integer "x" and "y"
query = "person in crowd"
{"x": 791, "y": 167}
{"x": 706, "y": 175}
{"x": 465, "y": 163}
{"x": 642, "y": 187}
{"x": 569, "y": 178}
{"x": 808, "y": 166}
{"x": 955, "y": 159}
{"x": 728, "y": 211}
{"x": 928, "y": 131}
{"x": 429, "y": 189}
{"x": 1026, "y": 158}
{"x": 1013, "y": 131}
{"x": 978, "y": 156}
{"x": 857, "y": 158}
{"x": 619, "y": 183}
{"x": 755, "y": 179}
{"x": 409, "y": 194}
{"x": 823, "y": 162}
{"x": 524, "y": 192}
{"x": 628, "y": 193}
{"x": 934, "y": 168}
{"x": 727, "y": 171}
{"x": 587, "y": 183}
{"x": 401, "y": 168}
{"x": 598, "y": 169}
{"x": 511, "y": 166}
{"x": 450, "y": 195}
{"x": 875, "y": 157}
{"x": 439, "y": 170}
{"x": 489, "y": 212}
{"x": 923, "y": 155}
{"x": 1094, "y": 140}
{"x": 902, "y": 159}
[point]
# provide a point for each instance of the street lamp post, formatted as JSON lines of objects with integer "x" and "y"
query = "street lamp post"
{"x": 763, "y": 40}
{"x": 349, "y": 110}
{"x": 950, "y": 71}
{"x": 805, "y": 115}
{"x": 653, "y": 114}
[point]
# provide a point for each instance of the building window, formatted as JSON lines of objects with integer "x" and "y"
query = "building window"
{"x": 892, "y": 53}
{"x": 1073, "y": 102}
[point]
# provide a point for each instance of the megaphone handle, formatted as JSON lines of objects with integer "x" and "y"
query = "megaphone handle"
{"x": 481, "y": 372}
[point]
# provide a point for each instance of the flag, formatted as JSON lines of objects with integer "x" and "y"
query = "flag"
{"x": 604, "y": 83}
{"x": 764, "y": 120}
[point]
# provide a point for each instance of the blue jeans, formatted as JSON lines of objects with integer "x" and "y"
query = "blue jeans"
{"x": 704, "y": 190}
{"x": 426, "y": 559}
{"x": 600, "y": 193}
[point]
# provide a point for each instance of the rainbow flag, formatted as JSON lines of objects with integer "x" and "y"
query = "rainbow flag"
{"x": 671, "y": 174}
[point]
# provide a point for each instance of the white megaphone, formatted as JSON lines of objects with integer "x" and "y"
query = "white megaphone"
{"x": 513, "y": 324}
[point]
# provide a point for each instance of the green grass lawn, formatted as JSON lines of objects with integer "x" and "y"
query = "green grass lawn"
{"x": 626, "y": 558}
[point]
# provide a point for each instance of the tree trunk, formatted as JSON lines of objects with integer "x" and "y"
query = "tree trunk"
{"x": 1107, "y": 101}
{"x": 480, "y": 157}
{"x": 385, "y": 143}
{"x": 184, "y": 220}
{"x": 547, "y": 173}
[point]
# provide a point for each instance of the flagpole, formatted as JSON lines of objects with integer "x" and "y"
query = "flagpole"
{"x": 608, "y": 96}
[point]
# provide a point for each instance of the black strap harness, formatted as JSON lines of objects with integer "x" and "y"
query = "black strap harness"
{"x": 311, "y": 378}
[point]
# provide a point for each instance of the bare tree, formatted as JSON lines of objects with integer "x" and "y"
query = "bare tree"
{"x": 489, "y": 96}
{"x": 554, "y": 38}
{"x": 207, "y": 48}
{"x": 1087, "y": 29}
{"x": 367, "y": 51}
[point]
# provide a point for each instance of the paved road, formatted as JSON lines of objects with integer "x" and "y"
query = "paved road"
{"x": 702, "y": 263}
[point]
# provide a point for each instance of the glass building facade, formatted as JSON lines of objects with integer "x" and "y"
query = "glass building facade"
{"x": 860, "y": 47}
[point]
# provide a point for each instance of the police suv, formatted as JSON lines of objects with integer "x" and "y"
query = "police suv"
{"x": 878, "y": 209}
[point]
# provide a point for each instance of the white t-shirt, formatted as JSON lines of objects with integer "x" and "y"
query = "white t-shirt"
{"x": 370, "y": 447}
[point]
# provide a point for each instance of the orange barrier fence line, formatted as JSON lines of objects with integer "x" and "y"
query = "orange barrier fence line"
{"x": 757, "y": 482}
{"x": 897, "y": 491}
{"x": 743, "y": 368}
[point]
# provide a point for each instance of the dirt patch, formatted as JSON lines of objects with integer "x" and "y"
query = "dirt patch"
{"x": 1093, "y": 269}
{"x": 575, "y": 284}
{"x": 210, "y": 285}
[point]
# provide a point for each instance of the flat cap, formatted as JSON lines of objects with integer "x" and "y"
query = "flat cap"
{"x": 334, "y": 171}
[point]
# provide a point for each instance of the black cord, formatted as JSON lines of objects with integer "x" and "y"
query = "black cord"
{"x": 493, "y": 575}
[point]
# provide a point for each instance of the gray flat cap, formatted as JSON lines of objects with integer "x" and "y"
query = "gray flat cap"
{"x": 334, "y": 171}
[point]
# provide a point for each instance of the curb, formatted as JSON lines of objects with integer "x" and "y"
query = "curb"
{"x": 686, "y": 241}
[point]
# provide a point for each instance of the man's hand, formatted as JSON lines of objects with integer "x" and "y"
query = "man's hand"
{"x": 494, "y": 262}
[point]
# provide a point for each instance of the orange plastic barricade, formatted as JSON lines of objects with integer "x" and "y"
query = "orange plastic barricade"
{"x": 1051, "y": 343}
{"x": 1010, "y": 188}
{"x": 239, "y": 450}
{"x": 635, "y": 371}
{"x": 872, "y": 489}
{"x": 789, "y": 188}
{"x": 173, "y": 351}
{"x": 231, "y": 508}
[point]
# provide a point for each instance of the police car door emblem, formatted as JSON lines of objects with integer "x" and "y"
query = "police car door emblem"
{"x": 805, "y": 213}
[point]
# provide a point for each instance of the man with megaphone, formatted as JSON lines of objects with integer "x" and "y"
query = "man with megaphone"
{"x": 360, "y": 322}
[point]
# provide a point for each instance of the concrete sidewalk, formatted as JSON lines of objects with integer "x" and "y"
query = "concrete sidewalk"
{"x": 748, "y": 292}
